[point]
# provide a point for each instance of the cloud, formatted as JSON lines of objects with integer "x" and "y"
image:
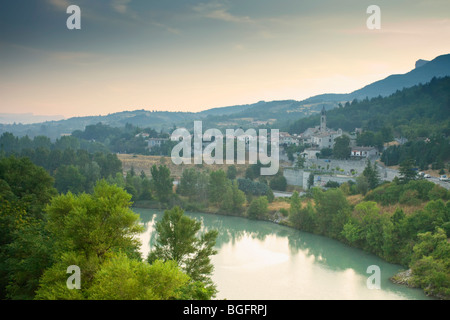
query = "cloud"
{"x": 120, "y": 6}
{"x": 59, "y": 4}
{"x": 218, "y": 11}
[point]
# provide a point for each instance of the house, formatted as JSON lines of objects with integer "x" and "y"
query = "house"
{"x": 153, "y": 142}
{"x": 287, "y": 139}
{"x": 364, "y": 152}
{"x": 324, "y": 140}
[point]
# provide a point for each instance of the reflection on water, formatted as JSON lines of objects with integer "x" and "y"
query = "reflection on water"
{"x": 261, "y": 260}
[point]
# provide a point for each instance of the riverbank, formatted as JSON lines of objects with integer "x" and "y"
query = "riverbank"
{"x": 251, "y": 250}
{"x": 277, "y": 217}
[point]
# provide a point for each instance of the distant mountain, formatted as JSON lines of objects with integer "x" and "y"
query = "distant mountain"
{"x": 282, "y": 112}
{"x": 423, "y": 72}
{"x": 54, "y": 129}
{"x": 27, "y": 118}
{"x": 221, "y": 111}
{"x": 285, "y": 110}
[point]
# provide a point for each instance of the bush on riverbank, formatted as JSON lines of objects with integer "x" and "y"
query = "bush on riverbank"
{"x": 417, "y": 240}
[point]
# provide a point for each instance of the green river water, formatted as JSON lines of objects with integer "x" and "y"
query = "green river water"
{"x": 260, "y": 260}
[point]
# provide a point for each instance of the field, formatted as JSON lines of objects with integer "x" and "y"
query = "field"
{"x": 144, "y": 163}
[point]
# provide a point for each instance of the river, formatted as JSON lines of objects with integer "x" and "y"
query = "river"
{"x": 260, "y": 260}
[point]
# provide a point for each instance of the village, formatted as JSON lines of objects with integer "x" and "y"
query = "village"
{"x": 319, "y": 138}
{"x": 316, "y": 157}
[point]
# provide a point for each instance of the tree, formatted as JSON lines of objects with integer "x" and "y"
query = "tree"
{"x": 371, "y": 223}
{"x": 430, "y": 267}
{"x": 163, "y": 183}
{"x": 341, "y": 149}
{"x": 407, "y": 171}
{"x": 300, "y": 163}
{"x": 69, "y": 178}
{"x": 217, "y": 184}
{"x": 279, "y": 183}
{"x": 332, "y": 212}
{"x": 301, "y": 218}
{"x": 137, "y": 280}
{"x": 25, "y": 251}
{"x": 311, "y": 180}
{"x": 177, "y": 240}
{"x": 296, "y": 205}
{"x": 258, "y": 207}
{"x": 233, "y": 198}
{"x": 94, "y": 224}
{"x": 231, "y": 172}
{"x": 118, "y": 277}
{"x": 30, "y": 184}
{"x": 25, "y": 246}
{"x": 362, "y": 184}
{"x": 372, "y": 175}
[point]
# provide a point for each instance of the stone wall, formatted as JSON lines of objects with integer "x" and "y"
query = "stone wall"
{"x": 299, "y": 177}
{"x": 295, "y": 177}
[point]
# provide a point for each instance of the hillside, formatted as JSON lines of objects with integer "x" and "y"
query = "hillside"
{"x": 419, "y": 111}
{"x": 423, "y": 73}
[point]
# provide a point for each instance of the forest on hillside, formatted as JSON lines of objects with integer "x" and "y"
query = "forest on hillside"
{"x": 419, "y": 111}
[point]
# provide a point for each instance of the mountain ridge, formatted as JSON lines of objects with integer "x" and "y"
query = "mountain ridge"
{"x": 282, "y": 110}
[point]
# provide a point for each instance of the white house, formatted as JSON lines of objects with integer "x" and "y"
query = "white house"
{"x": 153, "y": 142}
{"x": 364, "y": 152}
{"x": 287, "y": 139}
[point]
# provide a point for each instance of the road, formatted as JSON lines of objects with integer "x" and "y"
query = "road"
{"x": 445, "y": 184}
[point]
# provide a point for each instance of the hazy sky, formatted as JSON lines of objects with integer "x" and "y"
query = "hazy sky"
{"x": 189, "y": 55}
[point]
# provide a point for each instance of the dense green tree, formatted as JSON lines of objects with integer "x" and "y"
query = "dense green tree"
{"x": 279, "y": 183}
{"x": 177, "y": 240}
{"x": 407, "y": 171}
{"x": 69, "y": 178}
{"x": 25, "y": 249}
{"x": 94, "y": 223}
{"x": 232, "y": 172}
{"x": 30, "y": 184}
{"x": 217, "y": 184}
{"x": 253, "y": 188}
{"x": 301, "y": 218}
{"x": 163, "y": 182}
{"x": 311, "y": 180}
{"x": 300, "y": 163}
{"x": 188, "y": 183}
{"x": 332, "y": 211}
{"x": 372, "y": 175}
{"x": 430, "y": 263}
{"x": 137, "y": 280}
{"x": 371, "y": 223}
{"x": 258, "y": 208}
{"x": 233, "y": 198}
{"x": 341, "y": 149}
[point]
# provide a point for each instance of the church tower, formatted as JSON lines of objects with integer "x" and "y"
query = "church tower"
{"x": 323, "y": 120}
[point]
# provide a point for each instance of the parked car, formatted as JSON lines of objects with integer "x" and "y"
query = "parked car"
{"x": 426, "y": 176}
{"x": 443, "y": 178}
